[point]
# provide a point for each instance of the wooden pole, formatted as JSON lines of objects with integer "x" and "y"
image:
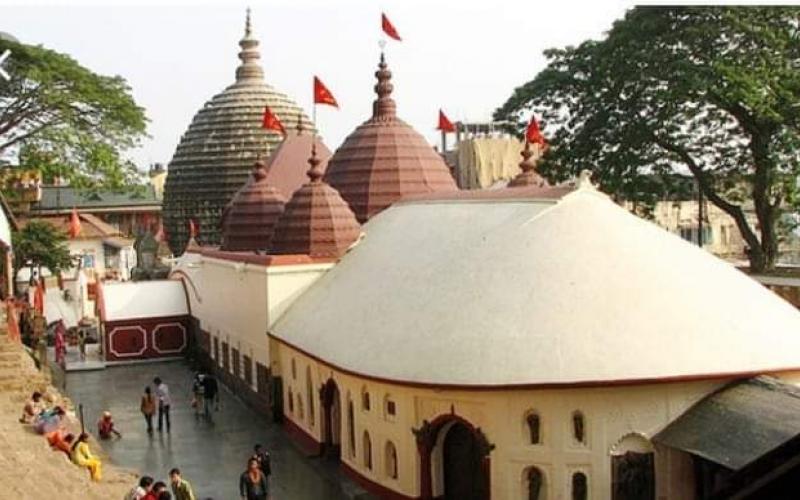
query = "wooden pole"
{"x": 80, "y": 413}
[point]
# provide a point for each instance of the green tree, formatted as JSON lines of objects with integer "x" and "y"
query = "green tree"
{"x": 39, "y": 244}
{"x": 63, "y": 119}
{"x": 713, "y": 91}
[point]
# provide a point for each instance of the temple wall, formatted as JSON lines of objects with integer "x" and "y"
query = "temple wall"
{"x": 232, "y": 304}
{"x": 610, "y": 414}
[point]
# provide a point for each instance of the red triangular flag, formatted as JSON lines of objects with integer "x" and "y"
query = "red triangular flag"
{"x": 322, "y": 95}
{"x": 389, "y": 28}
{"x": 74, "y": 224}
{"x": 271, "y": 122}
{"x": 533, "y": 134}
{"x": 445, "y": 125}
{"x": 192, "y": 229}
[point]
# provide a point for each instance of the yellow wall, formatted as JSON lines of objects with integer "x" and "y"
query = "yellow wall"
{"x": 611, "y": 414}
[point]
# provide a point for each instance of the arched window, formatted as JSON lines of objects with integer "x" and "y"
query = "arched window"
{"x": 310, "y": 396}
{"x": 535, "y": 484}
{"x": 578, "y": 427}
{"x": 534, "y": 425}
{"x": 290, "y": 400}
{"x": 633, "y": 469}
{"x": 390, "y": 460}
{"x": 294, "y": 369}
{"x": 389, "y": 407}
{"x": 367, "y": 445}
{"x": 364, "y": 399}
{"x": 300, "y": 413}
{"x": 351, "y": 426}
{"x": 580, "y": 487}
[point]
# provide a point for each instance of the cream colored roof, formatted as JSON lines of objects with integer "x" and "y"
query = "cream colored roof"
{"x": 481, "y": 292}
{"x": 143, "y": 299}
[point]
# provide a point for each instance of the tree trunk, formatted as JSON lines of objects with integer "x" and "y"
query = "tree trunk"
{"x": 766, "y": 212}
{"x": 760, "y": 259}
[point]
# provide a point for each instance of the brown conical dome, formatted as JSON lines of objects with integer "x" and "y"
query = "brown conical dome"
{"x": 248, "y": 222}
{"x": 316, "y": 221}
{"x": 528, "y": 176}
{"x": 385, "y": 159}
{"x": 282, "y": 171}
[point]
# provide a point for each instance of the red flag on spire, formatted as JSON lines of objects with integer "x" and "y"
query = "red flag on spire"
{"x": 74, "y": 224}
{"x": 389, "y": 28}
{"x": 322, "y": 95}
{"x": 445, "y": 125}
{"x": 192, "y": 229}
{"x": 271, "y": 122}
{"x": 533, "y": 134}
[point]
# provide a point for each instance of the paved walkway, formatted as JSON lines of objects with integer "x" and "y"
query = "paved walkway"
{"x": 211, "y": 455}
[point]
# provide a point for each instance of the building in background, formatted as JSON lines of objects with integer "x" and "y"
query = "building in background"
{"x": 128, "y": 211}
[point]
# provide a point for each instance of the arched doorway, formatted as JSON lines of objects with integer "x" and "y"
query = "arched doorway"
{"x": 332, "y": 422}
{"x": 633, "y": 469}
{"x": 454, "y": 460}
{"x": 461, "y": 465}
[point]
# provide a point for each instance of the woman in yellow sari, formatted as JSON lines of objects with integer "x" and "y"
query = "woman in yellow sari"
{"x": 82, "y": 457}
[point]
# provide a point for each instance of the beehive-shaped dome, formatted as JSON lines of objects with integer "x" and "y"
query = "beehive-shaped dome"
{"x": 385, "y": 159}
{"x": 216, "y": 153}
{"x": 316, "y": 221}
{"x": 248, "y": 222}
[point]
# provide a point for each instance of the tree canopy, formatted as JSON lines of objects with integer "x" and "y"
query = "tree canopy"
{"x": 65, "y": 120}
{"x": 40, "y": 244}
{"x": 712, "y": 91}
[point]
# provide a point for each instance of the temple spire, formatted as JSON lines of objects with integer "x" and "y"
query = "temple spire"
{"x": 249, "y": 55}
{"x": 315, "y": 172}
{"x": 384, "y": 105}
{"x": 526, "y": 165}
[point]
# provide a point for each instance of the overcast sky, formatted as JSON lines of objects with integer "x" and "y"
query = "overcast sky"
{"x": 463, "y": 56}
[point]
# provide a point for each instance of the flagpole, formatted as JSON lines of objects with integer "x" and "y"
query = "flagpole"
{"x": 314, "y": 133}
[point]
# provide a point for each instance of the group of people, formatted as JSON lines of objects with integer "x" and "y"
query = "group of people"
{"x": 253, "y": 483}
{"x": 51, "y": 422}
{"x": 150, "y": 489}
{"x": 161, "y": 401}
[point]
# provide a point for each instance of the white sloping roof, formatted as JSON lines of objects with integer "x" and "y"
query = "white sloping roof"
{"x": 56, "y": 308}
{"x": 143, "y": 299}
{"x": 499, "y": 293}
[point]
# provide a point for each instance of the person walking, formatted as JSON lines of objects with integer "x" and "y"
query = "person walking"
{"x": 210, "y": 393}
{"x": 262, "y": 455}
{"x": 181, "y": 488}
{"x": 148, "y": 408}
{"x": 164, "y": 403}
{"x": 253, "y": 482}
{"x": 197, "y": 392}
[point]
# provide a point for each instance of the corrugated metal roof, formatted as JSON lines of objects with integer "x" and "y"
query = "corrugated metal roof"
{"x": 64, "y": 198}
{"x": 737, "y": 424}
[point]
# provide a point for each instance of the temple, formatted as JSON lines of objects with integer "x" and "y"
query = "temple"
{"x": 216, "y": 153}
{"x": 519, "y": 342}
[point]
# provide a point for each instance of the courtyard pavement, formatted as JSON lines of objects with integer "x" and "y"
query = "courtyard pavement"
{"x": 211, "y": 455}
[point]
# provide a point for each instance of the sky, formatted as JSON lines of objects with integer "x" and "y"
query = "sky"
{"x": 465, "y": 56}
